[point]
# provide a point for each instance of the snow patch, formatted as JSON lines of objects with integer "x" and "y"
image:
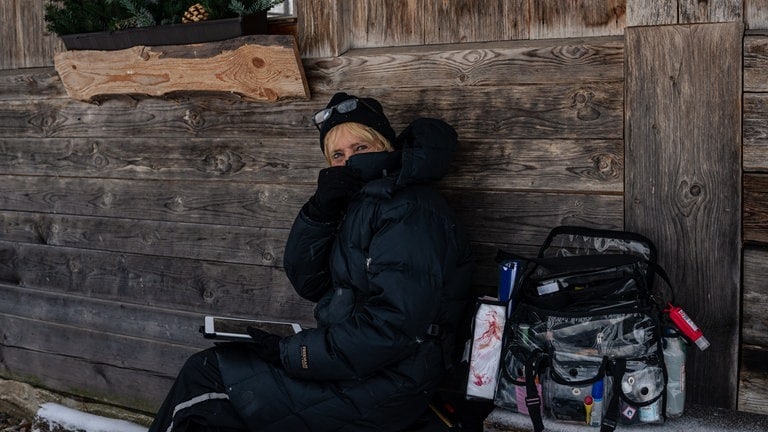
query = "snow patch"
{"x": 55, "y": 415}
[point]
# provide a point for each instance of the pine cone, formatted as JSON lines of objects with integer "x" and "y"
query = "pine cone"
{"x": 125, "y": 24}
{"x": 195, "y": 13}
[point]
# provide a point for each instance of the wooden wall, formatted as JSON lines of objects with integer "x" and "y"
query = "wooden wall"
{"x": 753, "y": 388}
{"x": 127, "y": 220}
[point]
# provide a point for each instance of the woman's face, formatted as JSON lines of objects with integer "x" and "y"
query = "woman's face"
{"x": 345, "y": 145}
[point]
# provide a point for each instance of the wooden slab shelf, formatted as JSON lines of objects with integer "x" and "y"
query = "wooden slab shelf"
{"x": 256, "y": 67}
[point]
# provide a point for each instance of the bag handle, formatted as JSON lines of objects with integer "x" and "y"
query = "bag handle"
{"x": 611, "y": 417}
{"x": 532, "y": 396}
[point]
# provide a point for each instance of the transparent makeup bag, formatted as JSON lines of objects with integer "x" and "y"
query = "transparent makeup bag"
{"x": 584, "y": 341}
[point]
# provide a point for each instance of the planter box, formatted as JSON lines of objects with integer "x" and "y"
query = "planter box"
{"x": 171, "y": 34}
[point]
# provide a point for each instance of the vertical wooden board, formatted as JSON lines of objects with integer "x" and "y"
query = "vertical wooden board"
{"x": 755, "y": 124}
{"x": 683, "y": 180}
{"x": 697, "y": 11}
{"x": 382, "y": 23}
{"x": 567, "y": 18}
{"x": 321, "y": 27}
{"x": 475, "y": 21}
{"x": 755, "y": 323}
{"x": 753, "y": 379}
{"x": 25, "y": 41}
{"x": 651, "y": 12}
{"x": 755, "y": 205}
{"x": 10, "y": 49}
{"x": 756, "y": 14}
{"x": 756, "y": 63}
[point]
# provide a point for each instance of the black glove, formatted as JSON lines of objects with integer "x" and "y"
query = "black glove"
{"x": 335, "y": 187}
{"x": 266, "y": 345}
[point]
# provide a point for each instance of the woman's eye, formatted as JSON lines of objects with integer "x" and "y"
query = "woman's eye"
{"x": 336, "y": 155}
{"x": 361, "y": 147}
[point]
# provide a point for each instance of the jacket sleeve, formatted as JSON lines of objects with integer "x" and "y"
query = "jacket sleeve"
{"x": 404, "y": 265}
{"x": 306, "y": 256}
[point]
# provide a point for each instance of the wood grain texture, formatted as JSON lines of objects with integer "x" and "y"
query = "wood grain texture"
{"x": 191, "y": 285}
{"x": 260, "y": 68}
{"x": 755, "y": 132}
{"x": 651, "y": 12}
{"x": 753, "y": 379}
{"x": 756, "y": 14}
{"x": 212, "y": 160}
{"x": 566, "y": 18}
{"x": 472, "y": 64}
{"x": 755, "y": 321}
{"x": 756, "y": 208}
{"x": 697, "y": 11}
{"x": 237, "y": 204}
{"x": 683, "y": 177}
{"x": 207, "y": 242}
{"x": 25, "y": 41}
{"x": 755, "y": 105}
{"x": 755, "y": 63}
{"x": 322, "y": 27}
{"x": 588, "y": 110}
{"x": 98, "y": 365}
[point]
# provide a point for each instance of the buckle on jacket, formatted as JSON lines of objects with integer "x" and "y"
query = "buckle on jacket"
{"x": 433, "y": 330}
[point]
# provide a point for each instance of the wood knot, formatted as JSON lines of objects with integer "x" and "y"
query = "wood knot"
{"x": 258, "y": 62}
{"x": 224, "y": 162}
{"x": 695, "y": 190}
{"x": 585, "y": 109}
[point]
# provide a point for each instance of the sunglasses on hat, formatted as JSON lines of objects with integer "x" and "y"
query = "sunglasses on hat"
{"x": 342, "y": 107}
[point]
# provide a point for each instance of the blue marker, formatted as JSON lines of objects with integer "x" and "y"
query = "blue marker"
{"x": 597, "y": 403}
{"x": 507, "y": 279}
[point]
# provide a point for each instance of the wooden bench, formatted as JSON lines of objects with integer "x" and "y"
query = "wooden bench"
{"x": 695, "y": 419}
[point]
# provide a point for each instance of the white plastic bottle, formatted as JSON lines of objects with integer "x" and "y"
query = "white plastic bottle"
{"x": 674, "y": 358}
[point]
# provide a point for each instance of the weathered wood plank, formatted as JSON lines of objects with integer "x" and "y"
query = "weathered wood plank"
{"x": 260, "y": 68}
{"x": 24, "y": 84}
{"x": 566, "y": 18}
{"x": 756, "y": 63}
{"x": 683, "y": 176}
{"x": 233, "y": 203}
{"x": 370, "y": 23}
{"x": 256, "y": 160}
{"x": 113, "y": 317}
{"x": 540, "y": 165}
{"x": 101, "y": 366}
{"x": 475, "y": 21}
{"x": 651, "y": 12}
{"x": 225, "y": 243}
{"x": 322, "y": 27}
{"x": 753, "y": 382}
{"x": 200, "y": 286}
{"x": 25, "y": 42}
{"x": 472, "y": 64}
{"x": 575, "y": 165}
{"x": 519, "y": 218}
{"x": 588, "y": 110}
{"x": 756, "y": 14}
{"x": 755, "y": 131}
{"x": 755, "y": 203}
{"x": 754, "y": 329}
{"x": 696, "y": 11}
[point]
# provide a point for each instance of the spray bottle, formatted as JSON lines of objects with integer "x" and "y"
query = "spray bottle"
{"x": 686, "y": 325}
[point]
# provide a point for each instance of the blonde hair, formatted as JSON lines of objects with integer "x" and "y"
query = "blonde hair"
{"x": 360, "y": 131}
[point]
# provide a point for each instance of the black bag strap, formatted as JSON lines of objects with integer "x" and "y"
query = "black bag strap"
{"x": 611, "y": 417}
{"x": 532, "y": 397}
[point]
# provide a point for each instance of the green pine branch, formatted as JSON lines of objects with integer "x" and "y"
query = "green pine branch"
{"x": 84, "y": 16}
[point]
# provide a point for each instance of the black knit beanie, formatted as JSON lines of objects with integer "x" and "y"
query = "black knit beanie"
{"x": 368, "y": 112}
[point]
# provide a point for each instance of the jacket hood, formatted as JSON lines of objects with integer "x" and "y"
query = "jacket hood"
{"x": 427, "y": 147}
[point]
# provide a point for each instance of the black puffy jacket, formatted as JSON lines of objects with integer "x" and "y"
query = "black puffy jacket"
{"x": 391, "y": 282}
